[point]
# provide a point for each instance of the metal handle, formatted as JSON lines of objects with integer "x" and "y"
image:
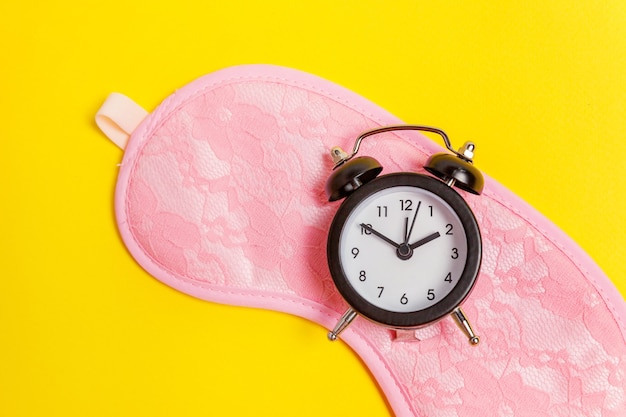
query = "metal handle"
{"x": 341, "y": 158}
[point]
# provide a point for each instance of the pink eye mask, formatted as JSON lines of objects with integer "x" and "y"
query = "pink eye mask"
{"x": 220, "y": 195}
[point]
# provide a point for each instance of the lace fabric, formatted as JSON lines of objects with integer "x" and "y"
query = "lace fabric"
{"x": 220, "y": 195}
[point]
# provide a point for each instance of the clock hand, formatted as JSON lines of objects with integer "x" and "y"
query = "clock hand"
{"x": 425, "y": 240}
{"x": 406, "y": 230}
{"x": 380, "y": 235}
{"x": 408, "y": 235}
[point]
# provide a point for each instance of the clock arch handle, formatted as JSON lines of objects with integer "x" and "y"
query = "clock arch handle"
{"x": 463, "y": 153}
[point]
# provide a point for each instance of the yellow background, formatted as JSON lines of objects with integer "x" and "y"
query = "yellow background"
{"x": 84, "y": 331}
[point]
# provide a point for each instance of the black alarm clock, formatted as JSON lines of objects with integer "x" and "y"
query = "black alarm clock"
{"x": 404, "y": 249}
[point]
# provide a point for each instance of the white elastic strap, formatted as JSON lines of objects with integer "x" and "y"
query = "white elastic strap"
{"x": 118, "y": 117}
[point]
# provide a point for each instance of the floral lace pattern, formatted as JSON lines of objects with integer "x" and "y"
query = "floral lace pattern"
{"x": 225, "y": 191}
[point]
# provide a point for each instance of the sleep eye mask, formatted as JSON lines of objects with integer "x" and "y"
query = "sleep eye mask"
{"x": 221, "y": 195}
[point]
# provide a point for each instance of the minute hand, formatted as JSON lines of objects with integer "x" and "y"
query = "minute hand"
{"x": 424, "y": 240}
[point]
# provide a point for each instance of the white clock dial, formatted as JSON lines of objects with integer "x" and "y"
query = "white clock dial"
{"x": 403, "y": 249}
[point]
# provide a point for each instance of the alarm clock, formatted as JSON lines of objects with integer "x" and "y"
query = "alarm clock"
{"x": 404, "y": 249}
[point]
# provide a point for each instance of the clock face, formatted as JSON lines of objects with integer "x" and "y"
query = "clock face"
{"x": 404, "y": 250}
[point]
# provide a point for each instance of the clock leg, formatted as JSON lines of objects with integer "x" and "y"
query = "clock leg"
{"x": 465, "y": 326}
{"x": 341, "y": 325}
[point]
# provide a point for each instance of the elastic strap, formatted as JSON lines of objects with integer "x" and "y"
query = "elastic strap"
{"x": 118, "y": 118}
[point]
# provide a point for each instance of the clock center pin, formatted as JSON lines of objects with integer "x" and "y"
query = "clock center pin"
{"x": 404, "y": 251}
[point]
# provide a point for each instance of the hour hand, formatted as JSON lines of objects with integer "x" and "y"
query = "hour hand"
{"x": 425, "y": 240}
{"x": 380, "y": 235}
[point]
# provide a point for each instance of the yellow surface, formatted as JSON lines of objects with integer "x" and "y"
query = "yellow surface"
{"x": 84, "y": 331}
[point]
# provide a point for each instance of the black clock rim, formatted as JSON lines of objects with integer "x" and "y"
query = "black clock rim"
{"x": 451, "y": 301}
